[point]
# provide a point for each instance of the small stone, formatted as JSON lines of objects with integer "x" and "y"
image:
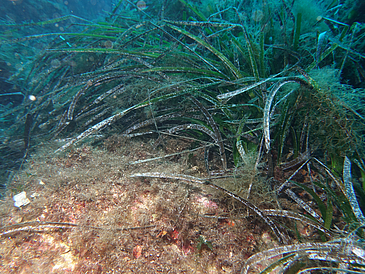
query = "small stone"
{"x": 21, "y": 199}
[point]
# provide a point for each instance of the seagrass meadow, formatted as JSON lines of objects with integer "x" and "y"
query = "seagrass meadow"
{"x": 182, "y": 137}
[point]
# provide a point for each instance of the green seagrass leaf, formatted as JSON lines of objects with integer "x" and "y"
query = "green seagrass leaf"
{"x": 217, "y": 53}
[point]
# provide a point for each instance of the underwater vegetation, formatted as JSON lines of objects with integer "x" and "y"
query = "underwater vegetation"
{"x": 265, "y": 98}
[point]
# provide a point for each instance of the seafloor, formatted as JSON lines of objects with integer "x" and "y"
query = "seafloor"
{"x": 123, "y": 224}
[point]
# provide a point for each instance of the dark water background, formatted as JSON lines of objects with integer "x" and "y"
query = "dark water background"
{"x": 20, "y": 11}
